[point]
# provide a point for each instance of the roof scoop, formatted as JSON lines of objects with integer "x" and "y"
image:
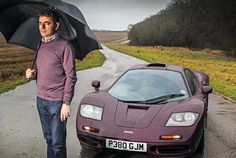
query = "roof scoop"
{"x": 156, "y": 65}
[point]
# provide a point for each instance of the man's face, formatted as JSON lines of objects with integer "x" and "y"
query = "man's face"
{"x": 47, "y": 26}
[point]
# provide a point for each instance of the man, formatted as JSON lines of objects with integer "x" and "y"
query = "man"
{"x": 56, "y": 78}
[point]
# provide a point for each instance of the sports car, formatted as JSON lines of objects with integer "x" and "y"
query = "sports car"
{"x": 159, "y": 109}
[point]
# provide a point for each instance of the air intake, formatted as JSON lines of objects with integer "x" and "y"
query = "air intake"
{"x": 156, "y": 65}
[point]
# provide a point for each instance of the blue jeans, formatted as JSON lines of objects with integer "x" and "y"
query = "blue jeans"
{"x": 54, "y": 130}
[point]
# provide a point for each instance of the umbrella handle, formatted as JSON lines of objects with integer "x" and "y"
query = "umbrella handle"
{"x": 32, "y": 67}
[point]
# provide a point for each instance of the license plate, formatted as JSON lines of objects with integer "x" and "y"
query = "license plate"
{"x": 126, "y": 145}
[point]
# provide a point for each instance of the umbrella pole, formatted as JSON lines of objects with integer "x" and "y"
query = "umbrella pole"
{"x": 33, "y": 65}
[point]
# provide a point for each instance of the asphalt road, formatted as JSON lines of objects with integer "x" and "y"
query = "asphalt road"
{"x": 21, "y": 134}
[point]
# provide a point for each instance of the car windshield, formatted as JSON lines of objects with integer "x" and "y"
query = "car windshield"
{"x": 149, "y": 86}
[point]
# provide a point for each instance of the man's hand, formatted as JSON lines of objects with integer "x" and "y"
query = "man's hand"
{"x": 65, "y": 112}
{"x": 30, "y": 73}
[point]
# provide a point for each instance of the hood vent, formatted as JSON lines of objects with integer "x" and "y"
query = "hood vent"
{"x": 138, "y": 107}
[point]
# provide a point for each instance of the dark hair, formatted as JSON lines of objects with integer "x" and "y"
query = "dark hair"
{"x": 50, "y": 12}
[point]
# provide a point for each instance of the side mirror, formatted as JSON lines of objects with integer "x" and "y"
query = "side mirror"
{"x": 206, "y": 89}
{"x": 96, "y": 85}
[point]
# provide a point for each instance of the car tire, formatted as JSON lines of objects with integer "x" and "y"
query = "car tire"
{"x": 201, "y": 144}
{"x": 207, "y": 98}
{"x": 88, "y": 152}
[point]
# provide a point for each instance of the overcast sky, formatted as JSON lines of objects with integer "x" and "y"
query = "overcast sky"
{"x": 117, "y": 14}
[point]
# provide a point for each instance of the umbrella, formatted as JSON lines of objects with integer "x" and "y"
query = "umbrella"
{"x": 19, "y": 24}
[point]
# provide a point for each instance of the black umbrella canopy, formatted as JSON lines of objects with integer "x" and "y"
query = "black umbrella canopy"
{"x": 19, "y": 24}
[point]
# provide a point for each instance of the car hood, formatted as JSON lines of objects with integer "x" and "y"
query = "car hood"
{"x": 135, "y": 115}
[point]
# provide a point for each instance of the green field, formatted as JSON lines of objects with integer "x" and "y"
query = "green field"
{"x": 221, "y": 69}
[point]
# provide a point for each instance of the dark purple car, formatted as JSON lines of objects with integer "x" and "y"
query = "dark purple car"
{"x": 154, "y": 108}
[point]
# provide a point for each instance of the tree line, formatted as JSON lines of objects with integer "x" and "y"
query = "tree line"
{"x": 190, "y": 23}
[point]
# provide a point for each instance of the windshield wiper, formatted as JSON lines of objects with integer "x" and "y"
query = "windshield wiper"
{"x": 132, "y": 101}
{"x": 163, "y": 99}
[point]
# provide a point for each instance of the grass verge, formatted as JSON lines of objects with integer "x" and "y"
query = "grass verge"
{"x": 221, "y": 69}
{"x": 93, "y": 59}
{"x": 11, "y": 84}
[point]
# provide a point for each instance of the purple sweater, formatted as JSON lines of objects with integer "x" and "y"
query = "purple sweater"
{"x": 56, "y": 74}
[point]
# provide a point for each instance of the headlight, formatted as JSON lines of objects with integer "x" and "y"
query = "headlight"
{"x": 91, "y": 111}
{"x": 182, "y": 119}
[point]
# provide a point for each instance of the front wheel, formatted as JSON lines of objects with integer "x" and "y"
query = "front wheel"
{"x": 85, "y": 152}
{"x": 201, "y": 145}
